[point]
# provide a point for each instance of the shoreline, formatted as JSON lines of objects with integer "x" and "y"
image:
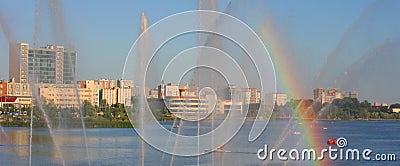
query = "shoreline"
{"x": 127, "y": 124}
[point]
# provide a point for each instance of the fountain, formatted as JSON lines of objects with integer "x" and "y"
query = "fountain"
{"x": 208, "y": 66}
{"x": 244, "y": 57}
{"x": 56, "y": 132}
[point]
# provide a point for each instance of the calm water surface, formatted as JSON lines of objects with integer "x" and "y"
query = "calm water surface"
{"x": 123, "y": 146}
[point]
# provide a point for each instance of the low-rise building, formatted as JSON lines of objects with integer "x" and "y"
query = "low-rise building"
{"x": 223, "y": 107}
{"x": 3, "y": 88}
{"x": 21, "y": 92}
{"x": 396, "y": 110}
{"x": 69, "y": 95}
{"x": 188, "y": 108}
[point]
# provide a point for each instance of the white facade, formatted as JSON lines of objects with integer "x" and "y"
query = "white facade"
{"x": 171, "y": 90}
{"x": 188, "y": 108}
{"x": 120, "y": 93}
{"x": 248, "y": 95}
{"x": 279, "y": 99}
{"x": 223, "y": 107}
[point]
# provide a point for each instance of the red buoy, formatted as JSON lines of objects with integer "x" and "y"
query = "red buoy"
{"x": 330, "y": 142}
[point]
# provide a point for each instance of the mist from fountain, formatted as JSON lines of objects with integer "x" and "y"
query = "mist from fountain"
{"x": 372, "y": 28}
{"x": 31, "y": 77}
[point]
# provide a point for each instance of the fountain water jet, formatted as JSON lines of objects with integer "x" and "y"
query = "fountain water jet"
{"x": 57, "y": 14}
{"x": 35, "y": 36}
{"x": 31, "y": 77}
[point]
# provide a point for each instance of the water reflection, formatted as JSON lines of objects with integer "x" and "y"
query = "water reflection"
{"x": 121, "y": 146}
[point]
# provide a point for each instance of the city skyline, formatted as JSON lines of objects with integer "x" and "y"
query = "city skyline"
{"x": 102, "y": 49}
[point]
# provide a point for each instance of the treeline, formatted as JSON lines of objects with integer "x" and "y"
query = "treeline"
{"x": 102, "y": 116}
{"x": 340, "y": 109}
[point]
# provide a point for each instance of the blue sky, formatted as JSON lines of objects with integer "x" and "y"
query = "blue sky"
{"x": 103, "y": 31}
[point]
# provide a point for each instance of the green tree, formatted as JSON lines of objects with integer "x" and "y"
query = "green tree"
{"x": 103, "y": 104}
{"x": 88, "y": 109}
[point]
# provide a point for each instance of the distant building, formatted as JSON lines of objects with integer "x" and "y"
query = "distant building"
{"x": 17, "y": 102}
{"x": 109, "y": 95}
{"x": 161, "y": 91}
{"x": 332, "y": 94}
{"x": 117, "y": 93}
{"x": 22, "y": 92}
{"x": 125, "y": 92}
{"x": 396, "y": 110}
{"x": 172, "y": 90}
{"x": 91, "y": 90}
{"x": 153, "y": 94}
{"x": 353, "y": 94}
{"x": 279, "y": 99}
{"x": 49, "y": 64}
{"x": 223, "y": 107}
{"x": 62, "y": 95}
{"x": 3, "y": 88}
{"x": 188, "y": 108}
{"x": 70, "y": 96}
{"x": 378, "y": 105}
{"x": 106, "y": 83}
{"x": 185, "y": 91}
{"x": 328, "y": 95}
{"x": 318, "y": 94}
{"x": 248, "y": 95}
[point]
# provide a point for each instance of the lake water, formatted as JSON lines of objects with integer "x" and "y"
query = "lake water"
{"x": 123, "y": 147}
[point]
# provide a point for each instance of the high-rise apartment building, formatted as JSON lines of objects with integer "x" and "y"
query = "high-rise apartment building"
{"x": 279, "y": 99}
{"x": 116, "y": 93}
{"x": 49, "y": 64}
{"x": 328, "y": 95}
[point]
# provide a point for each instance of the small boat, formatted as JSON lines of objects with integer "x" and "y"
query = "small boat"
{"x": 218, "y": 149}
{"x": 296, "y": 132}
{"x": 331, "y": 142}
{"x": 325, "y": 128}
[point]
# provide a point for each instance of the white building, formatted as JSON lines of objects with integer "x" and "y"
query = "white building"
{"x": 279, "y": 99}
{"x": 223, "y": 107}
{"x": 120, "y": 93}
{"x": 171, "y": 90}
{"x": 248, "y": 95}
{"x": 188, "y": 108}
{"x": 328, "y": 95}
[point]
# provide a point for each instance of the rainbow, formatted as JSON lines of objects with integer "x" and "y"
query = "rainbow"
{"x": 285, "y": 73}
{"x": 287, "y": 83}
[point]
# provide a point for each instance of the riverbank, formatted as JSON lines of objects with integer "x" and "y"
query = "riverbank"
{"x": 71, "y": 124}
{"x": 127, "y": 124}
